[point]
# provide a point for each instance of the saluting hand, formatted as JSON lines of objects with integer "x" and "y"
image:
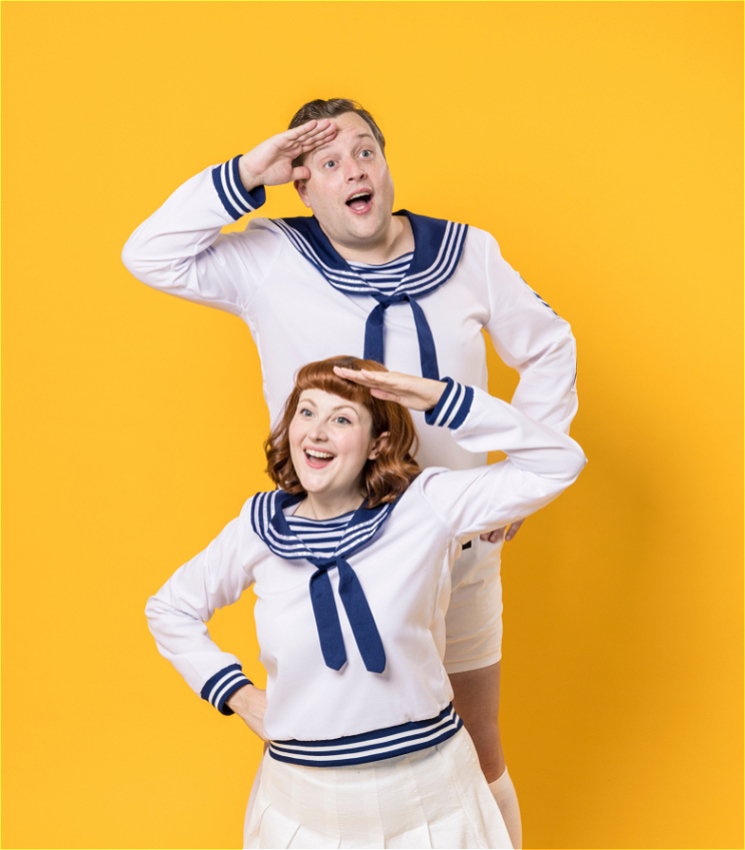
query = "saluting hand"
{"x": 417, "y": 394}
{"x": 409, "y": 390}
{"x": 270, "y": 163}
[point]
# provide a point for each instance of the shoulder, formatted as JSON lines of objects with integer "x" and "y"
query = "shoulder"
{"x": 479, "y": 240}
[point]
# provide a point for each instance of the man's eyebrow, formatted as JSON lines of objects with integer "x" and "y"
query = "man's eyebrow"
{"x": 362, "y": 135}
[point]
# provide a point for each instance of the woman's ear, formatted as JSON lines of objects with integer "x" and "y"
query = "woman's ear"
{"x": 378, "y": 444}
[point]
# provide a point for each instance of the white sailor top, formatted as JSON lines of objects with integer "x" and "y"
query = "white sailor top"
{"x": 404, "y": 571}
{"x": 302, "y": 302}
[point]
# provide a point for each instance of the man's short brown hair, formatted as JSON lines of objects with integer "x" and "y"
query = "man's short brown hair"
{"x": 320, "y": 109}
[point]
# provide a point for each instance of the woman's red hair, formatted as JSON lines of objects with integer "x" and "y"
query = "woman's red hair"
{"x": 385, "y": 477}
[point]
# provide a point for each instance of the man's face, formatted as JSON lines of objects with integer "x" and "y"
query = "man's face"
{"x": 350, "y": 189}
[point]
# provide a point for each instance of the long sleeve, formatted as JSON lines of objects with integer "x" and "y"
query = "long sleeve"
{"x": 530, "y": 337}
{"x": 541, "y": 463}
{"x": 177, "y": 613}
{"x": 179, "y": 249}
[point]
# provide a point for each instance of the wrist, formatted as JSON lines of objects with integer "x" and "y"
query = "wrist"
{"x": 452, "y": 407}
{"x": 240, "y": 700}
{"x": 435, "y": 389}
{"x": 248, "y": 179}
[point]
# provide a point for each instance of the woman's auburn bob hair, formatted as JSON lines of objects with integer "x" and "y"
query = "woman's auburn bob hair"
{"x": 386, "y": 477}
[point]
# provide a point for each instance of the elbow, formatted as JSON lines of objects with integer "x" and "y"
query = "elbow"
{"x": 152, "y": 612}
{"x": 577, "y": 463}
{"x": 135, "y": 258}
{"x": 130, "y": 256}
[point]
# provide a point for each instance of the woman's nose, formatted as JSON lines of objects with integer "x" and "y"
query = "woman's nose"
{"x": 317, "y": 430}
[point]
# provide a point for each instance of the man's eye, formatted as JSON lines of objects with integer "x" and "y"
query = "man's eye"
{"x": 366, "y": 153}
{"x": 330, "y": 164}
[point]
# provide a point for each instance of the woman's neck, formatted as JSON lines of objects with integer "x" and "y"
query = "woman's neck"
{"x": 314, "y": 506}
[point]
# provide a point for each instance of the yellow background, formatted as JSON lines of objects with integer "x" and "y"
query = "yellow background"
{"x": 602, "y": 144}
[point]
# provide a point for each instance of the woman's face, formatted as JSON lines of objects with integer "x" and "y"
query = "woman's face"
{"x": 330, "y": 442}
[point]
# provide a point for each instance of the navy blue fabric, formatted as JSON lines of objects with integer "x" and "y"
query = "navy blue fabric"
{"x": 269, "y": 523}
{"x": 453, "y": 407}
{"x": 374, "y": 346}
{"x": 377, "y": 745}
{"x": 438, "y": 249}
{"x": 218, "y": 689}
{"x": 231, "y": 191}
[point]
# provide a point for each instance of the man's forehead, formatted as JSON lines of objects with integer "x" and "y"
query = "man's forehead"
{"x": 362, "y": 134}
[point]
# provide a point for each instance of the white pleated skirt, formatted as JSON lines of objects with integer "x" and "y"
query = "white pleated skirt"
{"x": 436, "y": 797}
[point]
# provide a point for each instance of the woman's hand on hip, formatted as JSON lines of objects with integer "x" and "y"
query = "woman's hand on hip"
{"x": 409, "y": 390}
{"x": 249, "y": 703}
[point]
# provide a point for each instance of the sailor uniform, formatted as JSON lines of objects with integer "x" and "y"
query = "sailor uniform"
{"x": 303, "y": 302}
{"x": 400, "y": 554}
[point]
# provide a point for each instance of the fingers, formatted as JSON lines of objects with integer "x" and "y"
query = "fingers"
{"x": 492, "y": 536}
{"x": 300, "y": 173}
{"x": 513, "y": 529}
{"x": 309, "y": 135}
{"x": 358, "y": 376}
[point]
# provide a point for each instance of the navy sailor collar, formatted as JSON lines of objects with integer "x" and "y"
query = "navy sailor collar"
{"x": 270, "y": 524}
{"x": 438, "y": 246}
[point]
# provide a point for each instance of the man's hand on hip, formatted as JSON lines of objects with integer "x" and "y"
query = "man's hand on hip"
{"x": 270, "y": 163}
{"x": 496, "y": 536}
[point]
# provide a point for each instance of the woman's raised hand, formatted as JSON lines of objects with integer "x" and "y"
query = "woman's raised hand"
{"x": 270, "y": 163}
{"x": 409, "y": 390}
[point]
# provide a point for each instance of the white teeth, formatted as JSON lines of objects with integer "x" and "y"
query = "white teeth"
{"x": 321, "y": 455}
{"x": 359, "y": 195}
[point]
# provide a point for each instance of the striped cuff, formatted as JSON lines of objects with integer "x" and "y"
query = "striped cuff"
{"x": 236, "y": 200}
{"x": 453, "y": 406}
{"x": 223, "y": 685}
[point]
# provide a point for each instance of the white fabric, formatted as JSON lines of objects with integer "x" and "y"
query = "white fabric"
{"x": 404, "y": 572}
{"x": 506, "y": 797}
{"x": 296, "y": 317}
{"x": 476, "y": 597}
{"x": 436, "y": 797}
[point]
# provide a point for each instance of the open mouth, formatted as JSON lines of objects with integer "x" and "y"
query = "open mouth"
{"x": 360, "y": 201}
{"x": 317, "y": 459}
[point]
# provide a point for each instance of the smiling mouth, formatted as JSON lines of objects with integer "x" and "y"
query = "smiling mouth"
{"x": 360, "y": 202}
{"x": 317, "y": 459}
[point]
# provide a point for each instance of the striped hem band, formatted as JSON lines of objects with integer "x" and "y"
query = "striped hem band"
{"x": 231, "y": 191}
{"x": 453, "y": 407}
{"x": 220, "y": 687}
{"x": 370, "y": 746}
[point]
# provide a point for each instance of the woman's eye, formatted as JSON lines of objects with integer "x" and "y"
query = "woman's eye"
{"x": 343, "y": 420}
{"x": 304, "y": 412}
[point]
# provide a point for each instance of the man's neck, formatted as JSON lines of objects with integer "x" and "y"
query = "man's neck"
{"x": 398, "y": 240}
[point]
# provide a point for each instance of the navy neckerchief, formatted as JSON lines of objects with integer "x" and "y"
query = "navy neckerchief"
{"x": 269, "y": 523}
{"x": 438, "y": 245}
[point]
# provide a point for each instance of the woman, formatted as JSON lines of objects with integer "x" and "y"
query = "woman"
{"x": 365, "y": 748}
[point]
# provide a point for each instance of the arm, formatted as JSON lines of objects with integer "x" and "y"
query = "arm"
{"x": 179, "y": 610}
{"x": 541, "y": 461}
{"x": 180, "y": 249}
{"x": 529, "y": 336}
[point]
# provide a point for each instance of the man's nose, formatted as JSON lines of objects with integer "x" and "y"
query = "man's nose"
{"x": 354, "y": 170}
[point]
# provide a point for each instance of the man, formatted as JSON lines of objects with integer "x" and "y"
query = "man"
{"x": 357, "y": 278}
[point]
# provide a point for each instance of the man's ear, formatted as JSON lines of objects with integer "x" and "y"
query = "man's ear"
{"x": 302, "y": 191}
{"x": 378, "y": 444}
